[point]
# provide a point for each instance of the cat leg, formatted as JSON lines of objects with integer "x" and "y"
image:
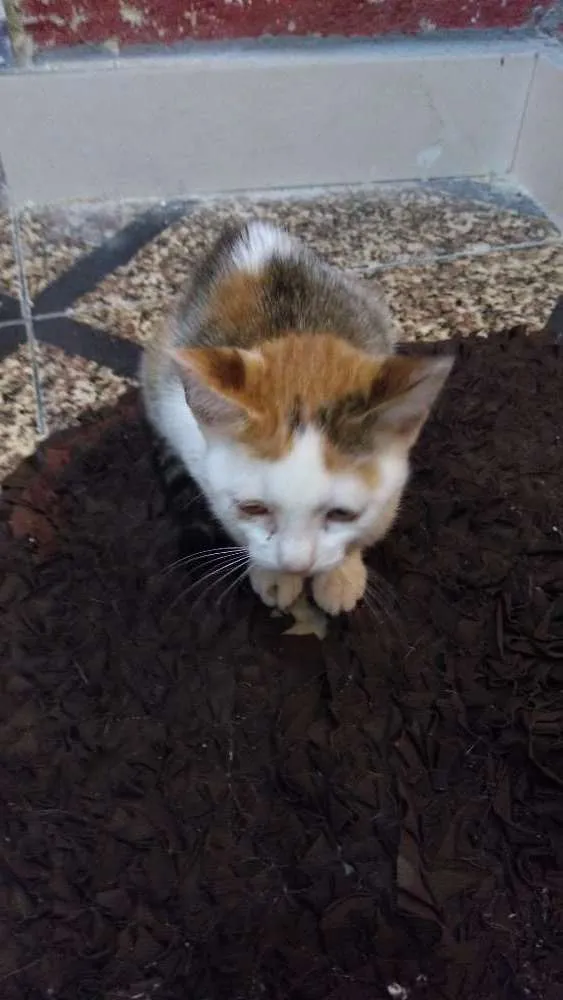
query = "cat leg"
{"x": 277, "y": 590}
{"x": 341, "y": 588}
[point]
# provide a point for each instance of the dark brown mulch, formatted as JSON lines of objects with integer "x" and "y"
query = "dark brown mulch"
{"x": 194, "y": 805}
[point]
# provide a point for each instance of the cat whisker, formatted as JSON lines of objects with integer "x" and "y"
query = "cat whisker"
{"x": 228, "y": 572}
{"x": 383, "y": 605}
{"x": 380, "y": 602}
{"x": 193, "y": 499}
{"x": 205, "y": 555}
{"x": 369, "y": 598}
{"x": 381, "y": 585}
{"x": 372, "y": 608}
{"x": 233, "y": 585}
{"x": 383, "y": 594}
{"x": 208, "y": 552}
{"x": 227, "y": 564}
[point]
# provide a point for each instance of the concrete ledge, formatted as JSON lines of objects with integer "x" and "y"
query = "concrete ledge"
{"x": 538, "y": 164}
{"x": 204, "y": 123}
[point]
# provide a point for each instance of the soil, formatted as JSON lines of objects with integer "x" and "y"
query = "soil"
{"x": 197, "y": 806}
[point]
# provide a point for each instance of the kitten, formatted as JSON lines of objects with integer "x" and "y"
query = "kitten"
{"x": 275, "y": 385}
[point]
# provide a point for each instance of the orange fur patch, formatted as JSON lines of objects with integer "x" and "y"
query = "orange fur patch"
{"x": 237, "y": 308}
{"x": 302, "y": 375}
{"x": 302, "y": 379}
{"x": 286, "y": 383}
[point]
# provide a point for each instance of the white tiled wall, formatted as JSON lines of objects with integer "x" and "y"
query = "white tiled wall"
{"x": 244, "y": 120}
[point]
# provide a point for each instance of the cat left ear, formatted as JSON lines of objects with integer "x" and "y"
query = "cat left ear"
{"x": 216, "y": 381}
{"x": 405, "y": 389}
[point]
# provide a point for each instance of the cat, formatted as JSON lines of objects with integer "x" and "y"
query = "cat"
{"x": 275, "y": 385}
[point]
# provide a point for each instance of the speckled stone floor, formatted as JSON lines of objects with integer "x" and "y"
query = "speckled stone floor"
{"x": 83, "y": 286}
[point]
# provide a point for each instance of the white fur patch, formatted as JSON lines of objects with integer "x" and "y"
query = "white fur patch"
{"x": 393, "y": 472}
{"x": 302, "y": 470}
{"x": 174, "y": 420}
{"x": 259, "y": 244}
{"x": 298, "y": 489}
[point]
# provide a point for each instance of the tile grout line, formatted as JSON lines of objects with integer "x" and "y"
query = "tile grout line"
{"x": 27, "y": 320}
{"x": 397, "y": 264}
{"x": 425, "y": 260}
{"x": 401, "y": 263}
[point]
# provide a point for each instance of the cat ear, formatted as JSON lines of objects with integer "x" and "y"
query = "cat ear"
{"x": 217, "y": 383}
{"x": 403, "y": 393}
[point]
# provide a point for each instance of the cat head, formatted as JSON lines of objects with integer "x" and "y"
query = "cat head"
{"x": 308, "y": 442}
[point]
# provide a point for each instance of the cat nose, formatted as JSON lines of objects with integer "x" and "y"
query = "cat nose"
{"x": 296, "y": 566}
{"x": 296, "y": 555}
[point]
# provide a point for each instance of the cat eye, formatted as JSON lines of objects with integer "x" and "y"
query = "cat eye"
{"x": 253, "y": 508}
{"x": 339, "y": 515}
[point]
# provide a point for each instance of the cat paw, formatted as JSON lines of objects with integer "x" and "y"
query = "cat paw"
{"x": 277, "y": 590}
{"x": 341, "y": 588}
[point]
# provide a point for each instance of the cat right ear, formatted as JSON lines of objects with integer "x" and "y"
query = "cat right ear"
{"x": 216, "y": 380}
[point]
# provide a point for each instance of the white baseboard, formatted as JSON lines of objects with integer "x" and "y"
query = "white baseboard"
{"x": 210, "y": 122}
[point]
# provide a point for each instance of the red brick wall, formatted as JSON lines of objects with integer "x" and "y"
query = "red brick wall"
{"x": 70, "y": 22}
